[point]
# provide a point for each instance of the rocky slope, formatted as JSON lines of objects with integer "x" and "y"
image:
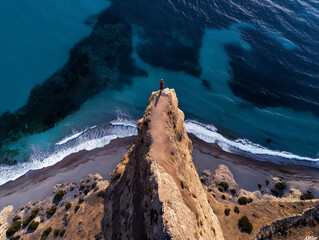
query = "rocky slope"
{"x": 155, "y": 192}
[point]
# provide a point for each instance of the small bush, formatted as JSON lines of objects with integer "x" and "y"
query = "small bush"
{"x": 15, "y": 237}
{"x": 233, "y": 191}
{"x": 94, "y": 184}
{"x": 101, "y": 194}
{"x": 267, "y": 182}
{"x": 221, "y": 189}
{"x": 56, "y": 232}
{"x": 281, "y": 185}
{"x": 33, "y": 214}
{"x": 227, "y": 211}
{"x": 33, "y": 225}
{"x": 245, "y": 224}
{"x": 52, "y": 210}
{"x": 275, "y": 191}
{"x": 307, "y": 196}
{"x": 86, "y": 191}
{"x": 68, "y": 205}
{"x": 236, "y": 209}
{"x": 243, "y": 200}
{"x": 82, "y": 185}
{"x": 47, "y": 231}
{"x": 224, "y": 185}
{"x": 259, "y": 185}
{"x": 77, "y": 207}
{"x": 223, "y": 197}
{"x": 16, "y": 226}
{"x": 62, "y": 232}
{"x": 16, "y": 217}
{"x": 59, "y": 195}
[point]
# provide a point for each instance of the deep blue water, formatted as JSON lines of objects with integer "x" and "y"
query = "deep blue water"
{"x": 246, "y": 74}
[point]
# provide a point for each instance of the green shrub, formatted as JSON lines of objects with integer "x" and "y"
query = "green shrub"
{"x": 33, "y": 214}
{"x": 68, "y": 205}
{"x": 15, "y": 237}
{"x": 275, "y": 191}
{"x": 243, "y": 200}
{"x": 47, "y": 231}
{"x": 94, "y": 184}
{"x": 33, "y": 225}
{"x": 77, "y": 207}
{"x": 16, "y": 217}
{"x": 227, "y": 211}
{"x": 101, "y": 194}
{"x": 52, "y": 210}
{"x": 56, "y": 232}
{"x": 62, "y": 232}
{"x": 281, "y": 185}
{"x": 82, "y": 185}
{"x": 236, "y": 209}
{"x": 307, "y": 196}
{"x": 233, "y": 191}
{"x": 245, "y": 224}
{"x": 59, "y": 195}
{"x": 86, "y": 191}
{"x": 224, "y": 185}
{"x": 16, "y": 226}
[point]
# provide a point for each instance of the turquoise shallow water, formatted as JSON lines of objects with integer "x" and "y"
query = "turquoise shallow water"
{"x": 213, "y": 112}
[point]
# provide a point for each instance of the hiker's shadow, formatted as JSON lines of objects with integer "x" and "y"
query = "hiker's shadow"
{"x": 158, "y": 97}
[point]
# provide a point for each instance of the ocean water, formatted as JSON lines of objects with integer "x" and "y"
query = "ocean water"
{"x": 246, "y": 75}
{"x": 36, "y": 37}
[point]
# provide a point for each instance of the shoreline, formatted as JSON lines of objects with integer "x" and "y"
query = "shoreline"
{"x": 248, "y": 172}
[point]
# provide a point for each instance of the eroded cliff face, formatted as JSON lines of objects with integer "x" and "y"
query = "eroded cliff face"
{"x": 155, "y": 192}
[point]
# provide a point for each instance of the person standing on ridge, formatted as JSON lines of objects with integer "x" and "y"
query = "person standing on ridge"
{"x": 161, "y": 84}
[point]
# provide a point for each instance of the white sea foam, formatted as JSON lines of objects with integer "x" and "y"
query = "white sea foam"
{"x": 209, "y": 133}
{"x": 69, "y": 138}
{"x": 99, "y": 136}
{"x": 88, "y": 139}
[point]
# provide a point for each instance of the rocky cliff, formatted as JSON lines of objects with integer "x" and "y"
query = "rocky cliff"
{"x": 155, "y": 192}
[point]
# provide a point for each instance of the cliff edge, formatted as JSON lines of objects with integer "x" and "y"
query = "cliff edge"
{"x": 155, "y": 192}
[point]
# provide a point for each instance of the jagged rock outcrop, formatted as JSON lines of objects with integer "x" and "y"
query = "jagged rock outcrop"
{"x": 4, "y": 225}
{"x": 155, "y": 192}
{"x": 308, "y": 217}
{"x": 223, "y": 174}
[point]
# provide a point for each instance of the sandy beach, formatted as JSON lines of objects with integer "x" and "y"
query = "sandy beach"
{"x": 247, "y": 172}
{"x": 38, "y": 184}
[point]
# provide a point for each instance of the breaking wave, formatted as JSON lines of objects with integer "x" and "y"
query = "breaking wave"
{"x": 101, "y": 135}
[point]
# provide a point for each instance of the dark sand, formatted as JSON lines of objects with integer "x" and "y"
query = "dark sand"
{"x": 247, "y": 172}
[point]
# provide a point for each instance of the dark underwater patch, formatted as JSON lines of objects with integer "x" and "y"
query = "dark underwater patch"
{"x": 95, "y": 63}
{"x": 269, "y": 75}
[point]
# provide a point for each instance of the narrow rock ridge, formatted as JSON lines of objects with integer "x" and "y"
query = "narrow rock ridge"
{"x": 155, "y": 192}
